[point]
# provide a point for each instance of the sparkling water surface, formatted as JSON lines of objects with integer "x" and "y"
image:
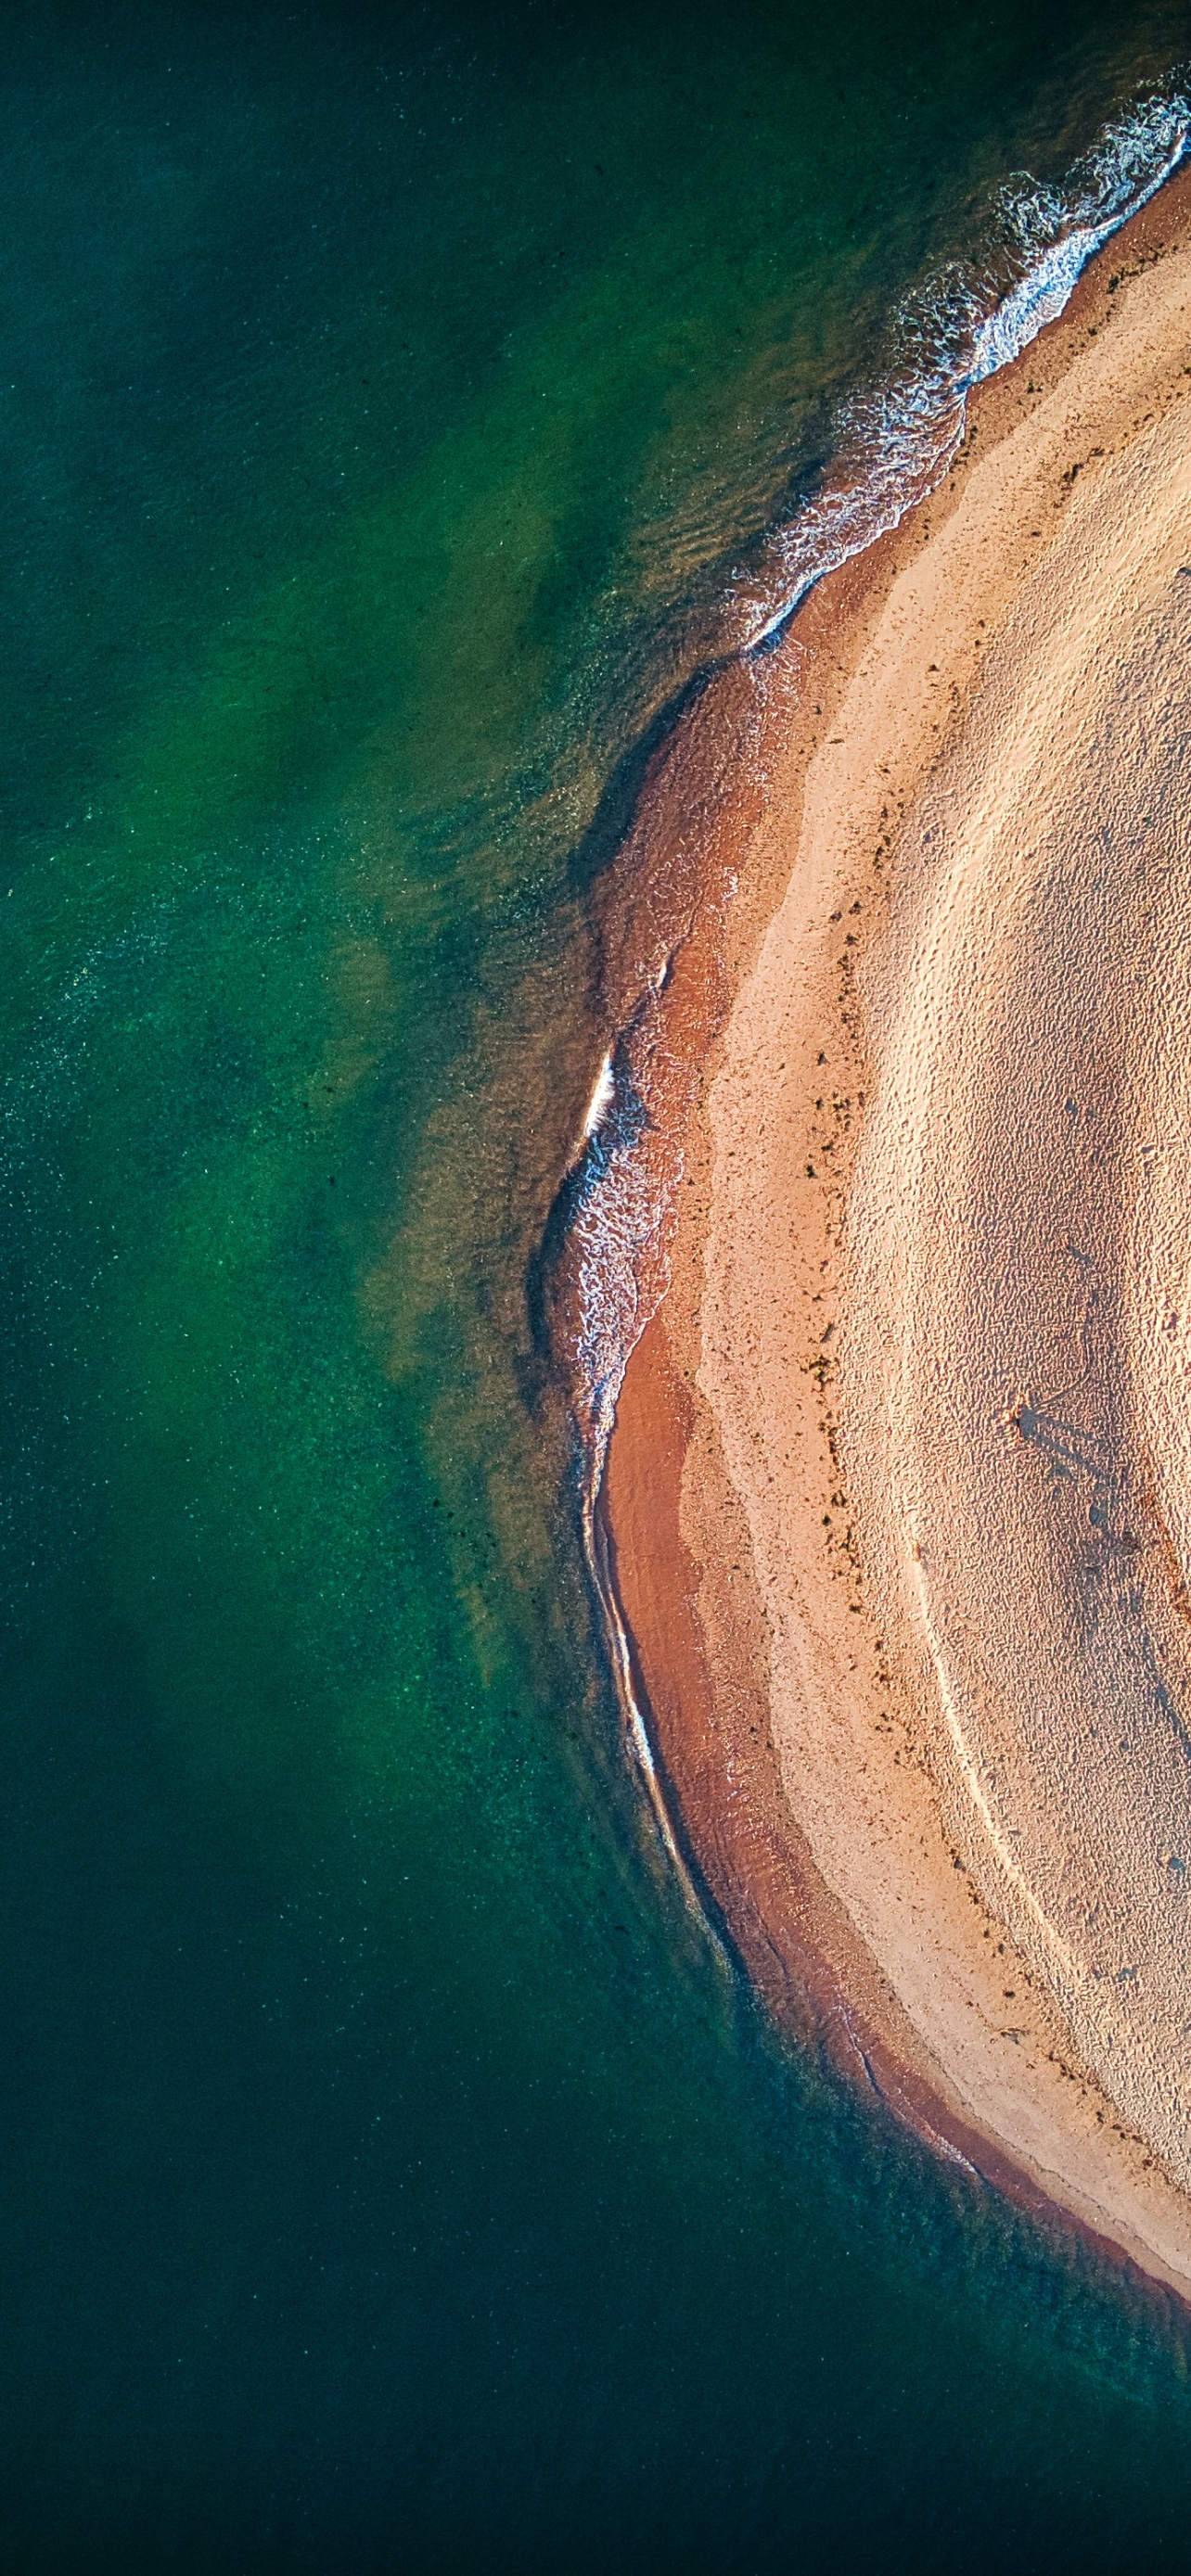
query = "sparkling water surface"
{"x": 397, "y": 408}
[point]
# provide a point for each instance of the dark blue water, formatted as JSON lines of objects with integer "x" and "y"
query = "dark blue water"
{"x": 394, "y": 2177}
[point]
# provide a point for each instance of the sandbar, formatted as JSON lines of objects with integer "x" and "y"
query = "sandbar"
{"x": 898, "y": 1497}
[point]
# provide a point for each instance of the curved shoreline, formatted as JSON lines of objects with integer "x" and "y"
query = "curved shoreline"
{"x": 714, "y": 1607}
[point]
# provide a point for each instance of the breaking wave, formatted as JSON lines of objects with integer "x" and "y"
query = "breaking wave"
{"x": 894, "y": 442}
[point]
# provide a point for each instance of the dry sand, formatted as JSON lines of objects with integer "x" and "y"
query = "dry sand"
{"x": 900, "y": 1488}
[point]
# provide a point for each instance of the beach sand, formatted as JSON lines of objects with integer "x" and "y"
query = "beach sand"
{"x": 899, "y": 1493}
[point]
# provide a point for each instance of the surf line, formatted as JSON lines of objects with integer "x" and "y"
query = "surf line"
{"x": 896, "y": 446}
{"x": 913, "y": 430}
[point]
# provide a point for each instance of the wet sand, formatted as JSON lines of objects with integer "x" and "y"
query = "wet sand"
{"x": 899, "y": 1492}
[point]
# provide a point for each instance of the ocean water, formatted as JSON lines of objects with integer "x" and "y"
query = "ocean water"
{"x": 398, "y": 407}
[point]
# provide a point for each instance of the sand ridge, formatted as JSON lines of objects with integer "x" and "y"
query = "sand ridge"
{"x": 798, "y": 1640}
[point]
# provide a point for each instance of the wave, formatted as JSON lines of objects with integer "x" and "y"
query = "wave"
{"x": 967, "y": 320}
{"x": 894, "y": 443}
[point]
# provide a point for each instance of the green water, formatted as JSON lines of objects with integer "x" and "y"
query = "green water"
{"x": 393, "y": 2177}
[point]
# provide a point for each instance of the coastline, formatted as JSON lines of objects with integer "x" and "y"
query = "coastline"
{"x": 788, "y": 1724}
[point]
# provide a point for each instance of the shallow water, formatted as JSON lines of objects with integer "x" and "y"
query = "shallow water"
{"x": 394, "y": 2176}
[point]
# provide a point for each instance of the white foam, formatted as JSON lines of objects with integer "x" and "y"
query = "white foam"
{"x": 601, "y": 1099}
{"x": 896, "y": 441}
{"x": 894, "y": 444}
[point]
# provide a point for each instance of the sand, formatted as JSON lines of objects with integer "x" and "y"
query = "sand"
{"x": 899, "y": 1493}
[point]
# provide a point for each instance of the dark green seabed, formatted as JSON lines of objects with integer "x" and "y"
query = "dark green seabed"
{"x": 394, "y": 2178}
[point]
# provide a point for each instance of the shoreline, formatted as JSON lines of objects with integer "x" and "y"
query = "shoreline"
{"x": 683, "y": 1528}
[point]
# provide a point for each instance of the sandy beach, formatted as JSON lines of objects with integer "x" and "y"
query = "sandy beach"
{"x": 899, "y": 1492}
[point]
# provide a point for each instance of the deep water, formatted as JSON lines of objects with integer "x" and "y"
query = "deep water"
{"x": 394, "y": 2177}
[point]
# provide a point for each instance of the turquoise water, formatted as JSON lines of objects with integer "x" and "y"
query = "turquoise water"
{"x": 394, "y": 2176}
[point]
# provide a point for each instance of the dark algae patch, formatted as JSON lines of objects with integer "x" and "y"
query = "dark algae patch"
{"x": 395, "y": 2175}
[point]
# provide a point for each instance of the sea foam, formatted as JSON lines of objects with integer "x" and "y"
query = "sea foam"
{"x": 893, "y": 444}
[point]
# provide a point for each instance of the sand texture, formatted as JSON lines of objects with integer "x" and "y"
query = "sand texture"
{"x": 900, "y": 1489}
